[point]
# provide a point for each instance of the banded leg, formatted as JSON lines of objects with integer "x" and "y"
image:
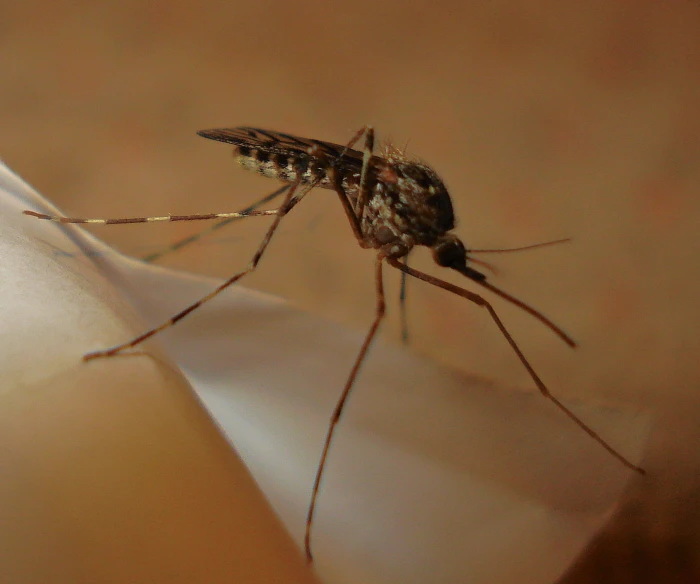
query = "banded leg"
{"x": 289, "y": 202}
{"x": 171, "y": 218}
{"x": 338, "y": 412}
{"x": 476, "y": 299}
{"x": 185, "y": 241}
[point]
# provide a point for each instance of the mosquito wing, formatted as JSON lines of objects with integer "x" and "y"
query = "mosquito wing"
{"x": 278, "y": 143}
{"x": 281, "y": 156}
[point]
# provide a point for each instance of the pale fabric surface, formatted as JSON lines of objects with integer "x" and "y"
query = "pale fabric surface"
{"x": 546, "y": 120}
{"x": 112, "y": 471}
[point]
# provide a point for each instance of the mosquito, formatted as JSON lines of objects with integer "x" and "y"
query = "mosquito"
{"x": 393, "y": 204}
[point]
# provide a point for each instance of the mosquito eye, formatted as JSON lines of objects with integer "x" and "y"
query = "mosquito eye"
{"x": 450, "y": 253}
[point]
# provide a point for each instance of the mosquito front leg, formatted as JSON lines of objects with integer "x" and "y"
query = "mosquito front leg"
{"x": 338, "y": 412}
{"x": 289, "y": 202}
{"x": 476, "y": 299}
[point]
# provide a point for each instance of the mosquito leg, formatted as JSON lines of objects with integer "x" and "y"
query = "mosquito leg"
{"x": 363, "y": 196}
{"x": 178, "y": 245}
{"x": 289, "y": 202}
{"x": 337, "y": 182}
{"x": 402, "y": 304}
{"x": 126, "y": 220}
{"x": 522, "y": 247}
{"x": 352, "y": 142}
{"x": 379, "y": 314}
{"x": 471, "y": 296}
{"x": 354, "y": 213}
{"x": 347, "y": 205}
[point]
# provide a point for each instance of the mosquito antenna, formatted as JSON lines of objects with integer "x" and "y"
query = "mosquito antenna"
{"x": 493, "y": 269}
{"x": 521, "y": 248}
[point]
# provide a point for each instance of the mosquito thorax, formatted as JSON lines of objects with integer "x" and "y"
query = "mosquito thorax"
{"x": 409, "y": 205}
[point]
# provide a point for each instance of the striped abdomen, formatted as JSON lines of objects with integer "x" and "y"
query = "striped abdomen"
{"x": 288, "y": 167}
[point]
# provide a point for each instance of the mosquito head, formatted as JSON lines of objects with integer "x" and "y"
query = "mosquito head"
{"x": 450, "y": 252}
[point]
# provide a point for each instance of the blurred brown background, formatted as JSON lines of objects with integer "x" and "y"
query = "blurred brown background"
{"x": 545, "y": 119}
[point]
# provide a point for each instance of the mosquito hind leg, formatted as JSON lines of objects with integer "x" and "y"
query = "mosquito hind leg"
{"x": 161, "y": 218}
{"x": 340, "y": 405}
{"x": 185, "y": 241}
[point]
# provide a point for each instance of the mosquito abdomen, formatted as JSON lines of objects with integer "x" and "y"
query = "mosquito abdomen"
{"x": 283, "y": 167}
